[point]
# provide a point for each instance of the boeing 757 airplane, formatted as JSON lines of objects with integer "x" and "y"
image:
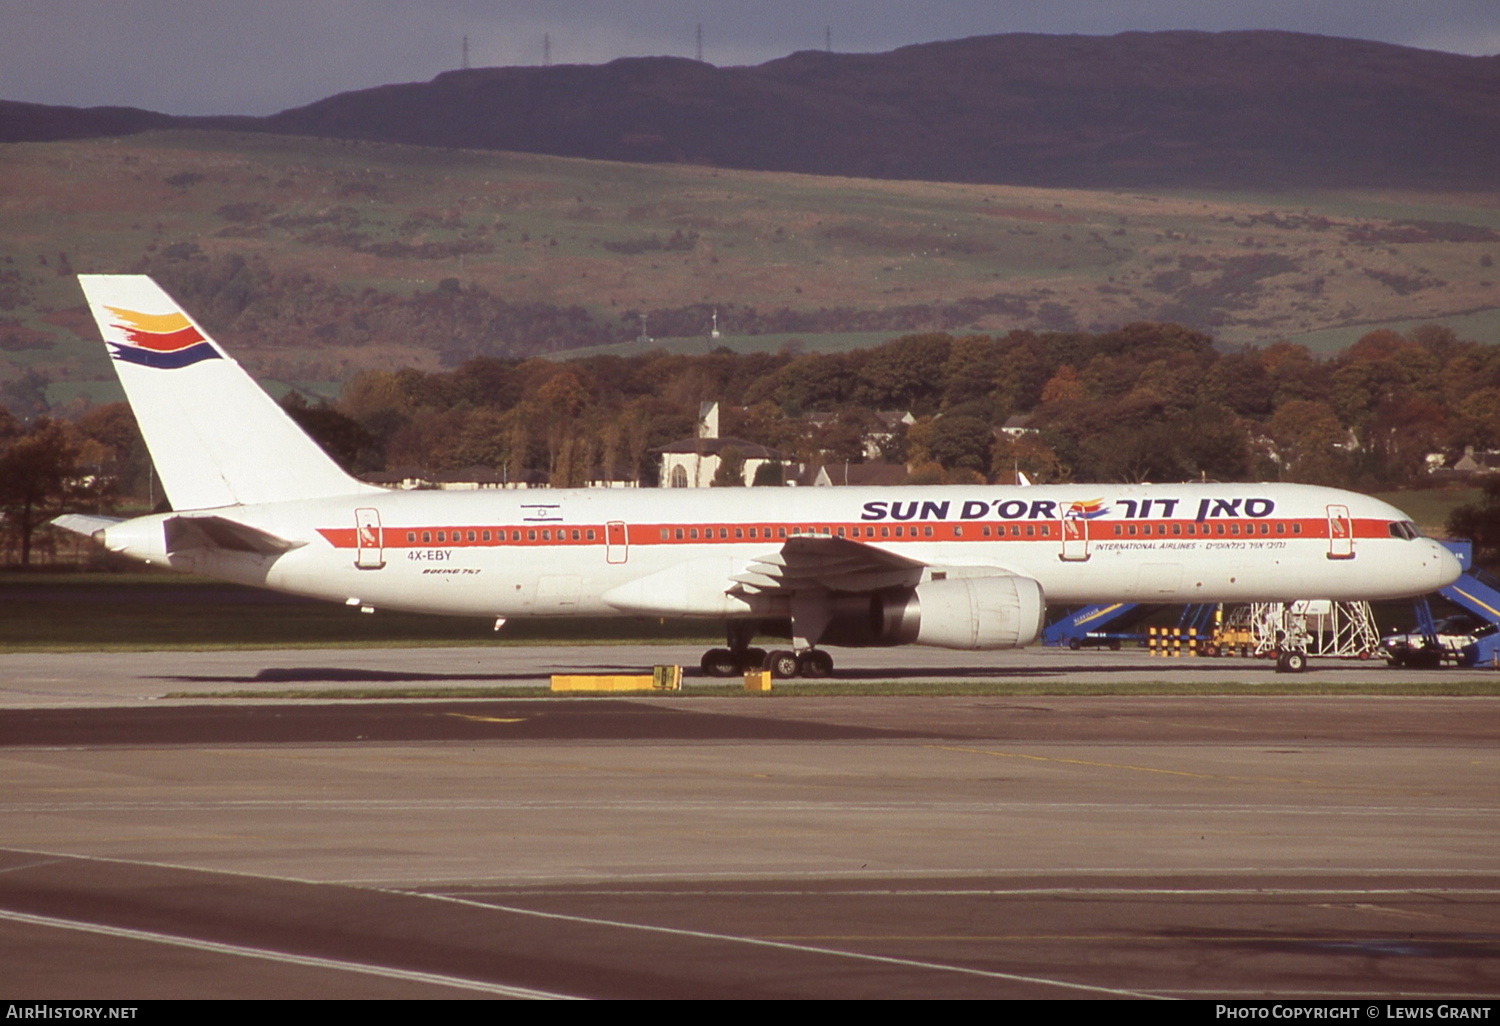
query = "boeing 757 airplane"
{"x": 256, "y": 501}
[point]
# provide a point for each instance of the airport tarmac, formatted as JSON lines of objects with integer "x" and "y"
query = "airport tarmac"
{"x": 35, "y": 680}
{"x": 735, "y": 846}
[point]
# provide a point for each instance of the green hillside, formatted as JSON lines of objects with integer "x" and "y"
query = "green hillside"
{"x": 313, "y": 259}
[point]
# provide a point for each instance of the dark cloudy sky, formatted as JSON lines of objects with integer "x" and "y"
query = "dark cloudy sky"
{"x": 260, "y": 56}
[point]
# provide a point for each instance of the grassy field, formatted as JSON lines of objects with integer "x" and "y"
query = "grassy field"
{"x": 139, "y": 612}
{"x": 1429, "y": 508}
{"x": 615, "y": 237}
{"x": 830, "y": 342}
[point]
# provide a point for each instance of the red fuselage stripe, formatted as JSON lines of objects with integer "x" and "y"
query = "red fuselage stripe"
{"x": 512, "y": 535}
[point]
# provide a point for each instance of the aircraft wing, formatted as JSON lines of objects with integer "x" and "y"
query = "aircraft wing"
{"x": 826, "y": 563}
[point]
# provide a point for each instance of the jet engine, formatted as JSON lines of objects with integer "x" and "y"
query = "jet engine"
{"x": 964, "y": 612}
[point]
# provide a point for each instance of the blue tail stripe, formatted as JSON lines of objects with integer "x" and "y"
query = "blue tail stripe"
{"x": 164, "y": 361}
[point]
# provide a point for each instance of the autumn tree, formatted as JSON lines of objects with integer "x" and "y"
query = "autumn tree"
{"x": 731, "y": 469}
{"x": 1480, "y": 521}
{"x": 1029, "y": 454}
{"x": 40, "y": 478}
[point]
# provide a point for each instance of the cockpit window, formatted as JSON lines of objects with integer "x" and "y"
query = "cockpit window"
{"x": 1403, "y": 529}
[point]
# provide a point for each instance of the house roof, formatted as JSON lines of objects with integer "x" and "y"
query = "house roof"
{"x": 855, "y": 474}
{"x": 714, "y": 446}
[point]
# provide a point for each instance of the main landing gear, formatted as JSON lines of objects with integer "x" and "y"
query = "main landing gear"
{"x": 740, "y": 657}
{"x": 783, "y": 664}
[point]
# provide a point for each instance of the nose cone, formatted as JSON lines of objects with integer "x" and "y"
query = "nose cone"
{"x": 1448, "y": 567}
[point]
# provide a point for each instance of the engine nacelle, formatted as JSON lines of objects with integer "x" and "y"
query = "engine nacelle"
{"x": 963, "y": 612}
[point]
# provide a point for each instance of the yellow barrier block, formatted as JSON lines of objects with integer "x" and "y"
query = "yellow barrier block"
{"x": 601, "y": 682}
{"x": 661, "y": 678}
{"x": 757, "y": 680}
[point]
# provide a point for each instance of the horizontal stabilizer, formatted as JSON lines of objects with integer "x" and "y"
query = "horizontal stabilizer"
{"x": 80, "y": 523}
{"x": 219, "y": 533}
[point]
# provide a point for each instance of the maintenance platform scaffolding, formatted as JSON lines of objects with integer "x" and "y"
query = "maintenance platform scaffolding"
{"x": 1322, "y": 628}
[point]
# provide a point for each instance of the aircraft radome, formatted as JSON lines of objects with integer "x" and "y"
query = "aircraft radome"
{"x": 255, "y": 501}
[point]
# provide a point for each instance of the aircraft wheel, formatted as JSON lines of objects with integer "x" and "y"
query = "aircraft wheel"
{"x": 1291, "y": 662}
{"x": 753, "y": 659}
{"x": 1114, "y": 646}
{"x": 816, "y": 663}
{"x": 720, "y": 662}
{"x": 1074, "y": 644}
{"x": 783, "y": 665}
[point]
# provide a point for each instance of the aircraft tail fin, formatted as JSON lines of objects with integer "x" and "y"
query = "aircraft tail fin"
{"x": 216, "y": 437}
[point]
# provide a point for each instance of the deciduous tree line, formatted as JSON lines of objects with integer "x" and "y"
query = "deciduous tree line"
{"x": 1155, "y": 402}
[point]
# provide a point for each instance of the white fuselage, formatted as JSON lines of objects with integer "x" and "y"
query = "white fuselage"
{"x": 602, "y": 552}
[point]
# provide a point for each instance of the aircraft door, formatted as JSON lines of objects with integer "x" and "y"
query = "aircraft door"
{"x": 1340, "y": 533}
{"x": 1075, "y": 538}
{"x": 369, "y": 540}
{"x": 616, "y": 542}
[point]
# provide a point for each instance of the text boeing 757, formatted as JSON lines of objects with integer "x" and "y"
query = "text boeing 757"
{"x": 257, "y": 502}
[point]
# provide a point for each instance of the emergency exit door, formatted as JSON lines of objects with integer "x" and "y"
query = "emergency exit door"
{"x": 1075, "y": 538}
{"x": 369, "y": 540}
{"x": 616, "y": 542}
{"x": 1340, "y": 533}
